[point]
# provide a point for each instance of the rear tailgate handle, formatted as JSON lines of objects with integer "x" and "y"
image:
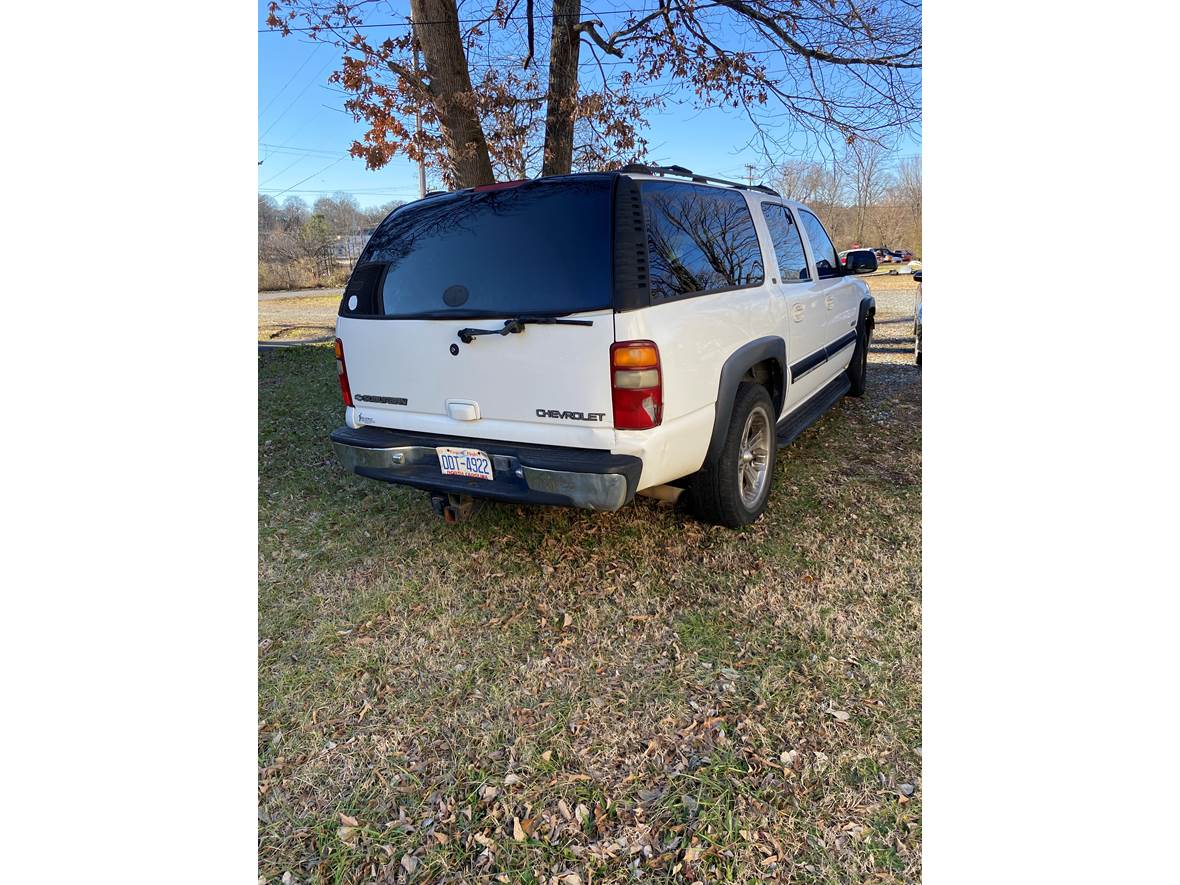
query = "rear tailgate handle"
{"x": 463, "y": 409}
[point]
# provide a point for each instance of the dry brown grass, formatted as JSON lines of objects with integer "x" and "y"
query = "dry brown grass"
{"x": 547, "y": 695}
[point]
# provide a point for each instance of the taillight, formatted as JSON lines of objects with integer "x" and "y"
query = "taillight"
{"x": 342, "y": 373}
{"x": 636, "y": 387}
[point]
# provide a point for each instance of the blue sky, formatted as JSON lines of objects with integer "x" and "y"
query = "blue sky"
{"x": 304, "y": 132}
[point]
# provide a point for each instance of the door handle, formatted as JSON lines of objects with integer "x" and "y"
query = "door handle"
{"x": 797, "y": 311}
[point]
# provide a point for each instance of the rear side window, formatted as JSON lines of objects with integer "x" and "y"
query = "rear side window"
{"x": 788, "y": 246}
{"x": 826, "y": 262}
{"x": 539, "y": 248}
{"x": 700, "y": 240}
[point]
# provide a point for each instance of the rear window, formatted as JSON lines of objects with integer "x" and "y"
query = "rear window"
{"x": 538, "y": 248}
{"x": 700, "y": 239}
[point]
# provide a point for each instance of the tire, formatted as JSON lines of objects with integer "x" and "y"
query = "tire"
{"x": 858, "y": 368}
{"x": 733, "y": 490}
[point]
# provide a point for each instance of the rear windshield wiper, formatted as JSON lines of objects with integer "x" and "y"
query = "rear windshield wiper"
{"x": 517, "y": 324}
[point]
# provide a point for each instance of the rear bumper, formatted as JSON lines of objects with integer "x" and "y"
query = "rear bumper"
{"x": 528, "y": 474}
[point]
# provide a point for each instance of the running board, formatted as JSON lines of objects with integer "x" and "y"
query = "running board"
{"x": 811, "y": 411}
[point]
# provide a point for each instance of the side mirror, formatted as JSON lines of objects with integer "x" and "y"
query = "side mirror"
{"x": 861, "y": 261}
{"x": 917, "y": 276}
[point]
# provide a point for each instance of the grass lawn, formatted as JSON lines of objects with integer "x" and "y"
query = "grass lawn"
{"x": 554, "y": 695}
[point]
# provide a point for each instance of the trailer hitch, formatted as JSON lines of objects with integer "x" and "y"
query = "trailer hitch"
{"x": 452, "y": 508}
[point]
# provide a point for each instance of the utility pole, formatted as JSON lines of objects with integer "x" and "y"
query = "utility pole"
{"x": 750, "y": 174}
{"x": 418, "y": 120}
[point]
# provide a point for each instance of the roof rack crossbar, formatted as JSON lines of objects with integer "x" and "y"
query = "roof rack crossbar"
{"x": 644, "y": 169}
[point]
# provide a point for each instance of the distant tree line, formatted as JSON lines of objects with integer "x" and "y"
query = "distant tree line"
{"x": 301, "y": 246}
{"x": 865, "y": 198}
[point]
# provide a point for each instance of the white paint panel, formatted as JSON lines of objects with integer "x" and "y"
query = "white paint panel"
{"x": 509, "y": 377}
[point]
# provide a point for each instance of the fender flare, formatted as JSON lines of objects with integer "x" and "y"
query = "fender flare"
{"x": 867, "y": 317}
{"x": 750, "y": 354}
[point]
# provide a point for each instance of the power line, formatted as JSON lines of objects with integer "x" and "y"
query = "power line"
{"x": 291, "y": 149}
{"x": 271, "y": 191}
{"x": 296, "y": 99}
{"x": 298, "y": 160}
{"x": 313, "y": 175}
{"x": 289, "y": 81}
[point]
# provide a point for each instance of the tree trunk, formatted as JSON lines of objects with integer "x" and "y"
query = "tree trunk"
{"x": 437, "y": 27}
{"x": 563, "y": 89}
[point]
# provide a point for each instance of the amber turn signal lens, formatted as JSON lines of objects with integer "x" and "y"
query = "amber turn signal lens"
{"x": 635, "y": 356}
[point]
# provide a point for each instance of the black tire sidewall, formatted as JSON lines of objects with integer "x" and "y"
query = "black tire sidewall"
{"x": 858, "y": 368}
{"x": 719, "y": 500}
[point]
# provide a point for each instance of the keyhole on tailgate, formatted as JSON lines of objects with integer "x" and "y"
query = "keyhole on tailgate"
{"x": 454, "y": 350}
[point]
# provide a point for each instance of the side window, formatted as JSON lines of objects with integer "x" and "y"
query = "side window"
{"x": 826, "y": 262}
{"x": 788, "y": 247}
{"x": 700, "y": 239}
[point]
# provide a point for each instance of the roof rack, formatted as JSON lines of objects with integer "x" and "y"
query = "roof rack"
{"x": 644, "y": 169}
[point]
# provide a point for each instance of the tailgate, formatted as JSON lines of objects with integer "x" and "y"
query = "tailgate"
{"x": 549, "y": 384}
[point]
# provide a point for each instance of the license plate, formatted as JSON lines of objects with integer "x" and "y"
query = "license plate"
{"x": 471, "y": 463}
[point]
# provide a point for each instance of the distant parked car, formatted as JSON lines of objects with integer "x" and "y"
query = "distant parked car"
{"x": 918, "y": 320}
{"x": 864, "y": 259}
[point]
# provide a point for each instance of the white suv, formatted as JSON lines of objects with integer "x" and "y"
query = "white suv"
{"x": 578, "y": 339}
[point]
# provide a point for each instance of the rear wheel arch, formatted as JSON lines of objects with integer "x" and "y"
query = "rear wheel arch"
{"x": 857, "y": 370}
{"x": 867, "y": 315}
{"x": 763, "y": 361}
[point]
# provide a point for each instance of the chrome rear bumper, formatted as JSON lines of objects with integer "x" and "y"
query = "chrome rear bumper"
{"x": 527, "y": 474}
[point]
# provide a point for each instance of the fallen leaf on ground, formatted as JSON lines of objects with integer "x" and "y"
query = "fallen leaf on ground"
{"x": 485, "y": 841}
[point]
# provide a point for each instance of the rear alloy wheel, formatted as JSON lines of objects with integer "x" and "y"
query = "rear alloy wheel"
{"x": 734, "y": 489}
{"x": 754, "y": 458}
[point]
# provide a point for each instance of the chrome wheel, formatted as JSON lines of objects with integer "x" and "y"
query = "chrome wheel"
{"x": 754, "y": 457}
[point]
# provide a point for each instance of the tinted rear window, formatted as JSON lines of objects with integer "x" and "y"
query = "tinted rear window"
{"x": 700, "y": 239}
{"x": 538, "y": 248}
